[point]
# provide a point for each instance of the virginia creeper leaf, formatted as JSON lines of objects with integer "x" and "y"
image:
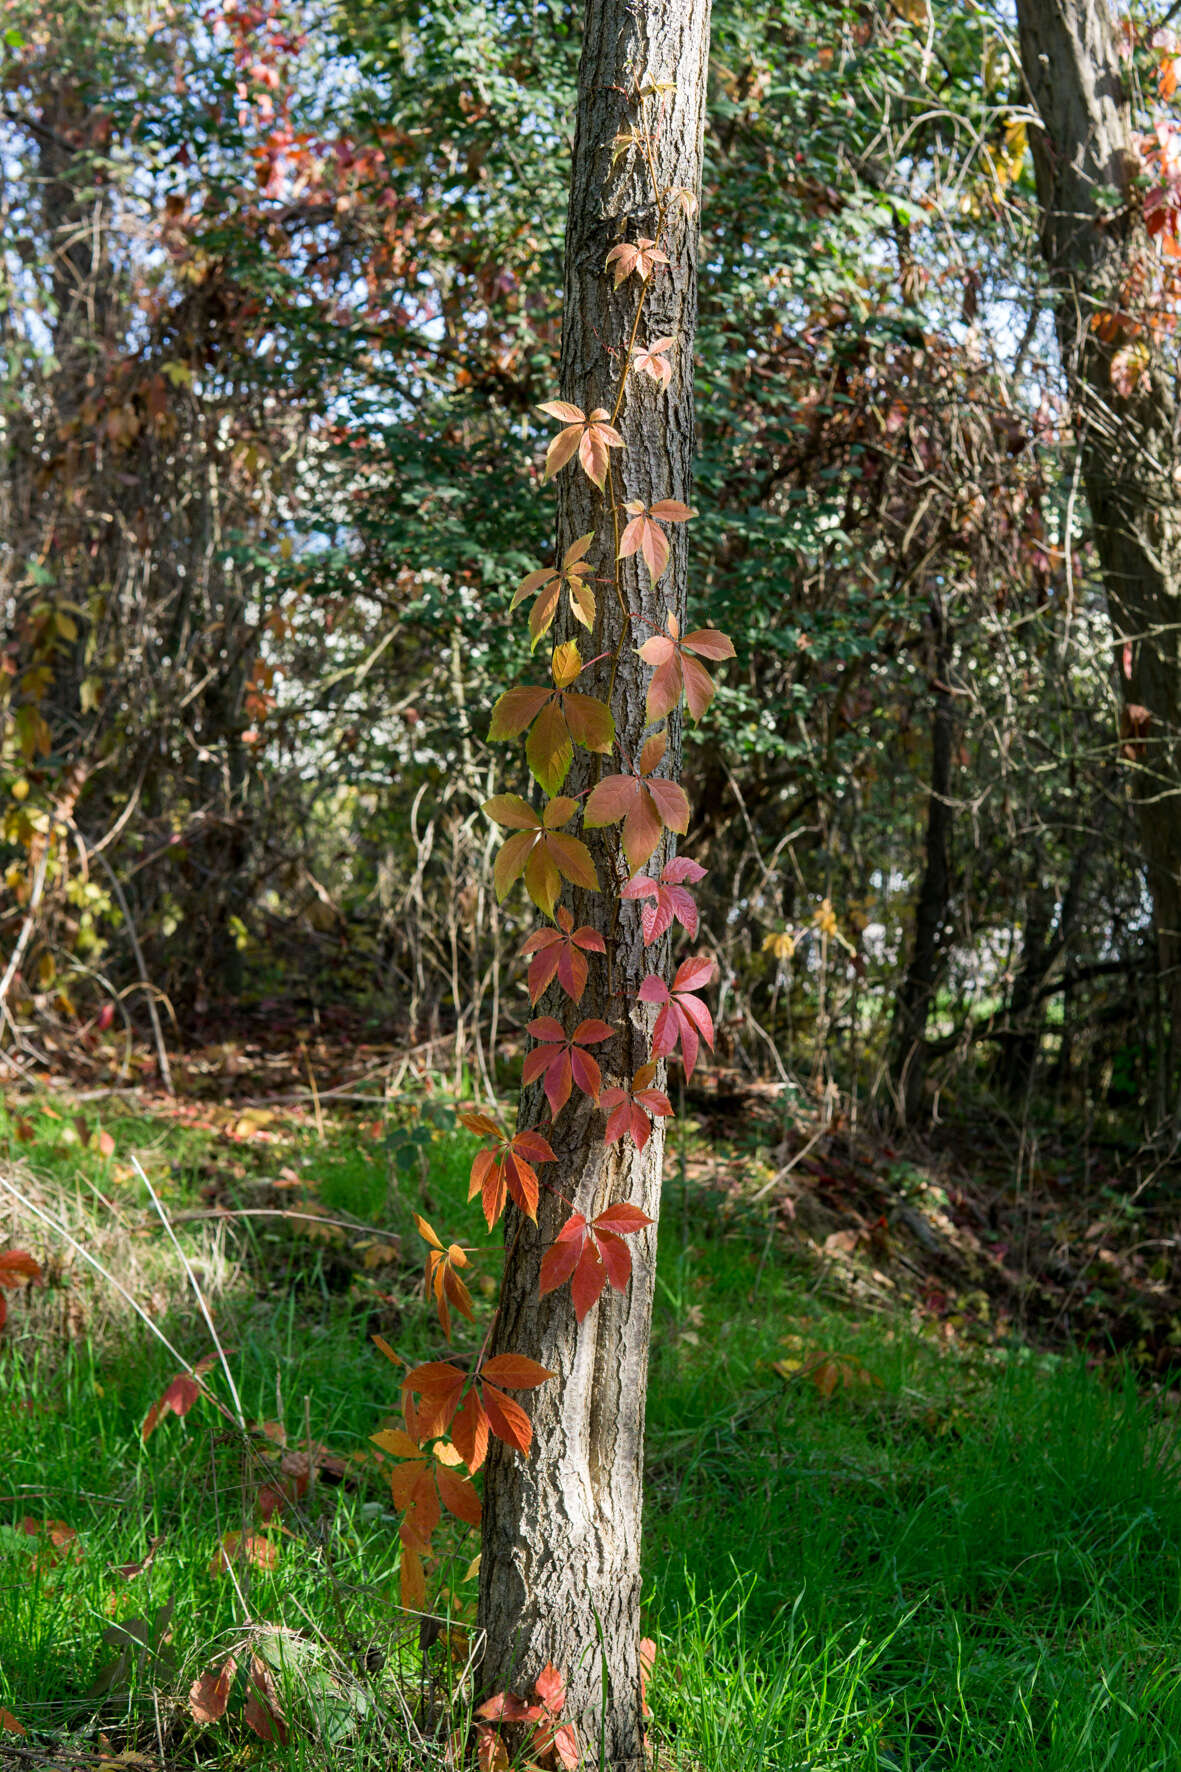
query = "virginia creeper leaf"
{"x": 677, "y": 669}
{"x": 683, "y": 1017}
{"x": 539, "y": 851}
{"x": 647, "y": 804}
{"x": 561, "y": 953}
{"x": 672, "y": 897}
{"x": 591, "y": 1255}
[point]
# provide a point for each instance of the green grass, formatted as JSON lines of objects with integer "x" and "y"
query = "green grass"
{"x": 946, "y": 1558}
{"x": 954, "y": 1560}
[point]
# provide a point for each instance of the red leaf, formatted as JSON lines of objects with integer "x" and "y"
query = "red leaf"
{"x": 209, "y": 1695}
{"x": 440, "y": 1384}
{"x": 560, "y": 1260}
{"x": 565, "y": 1745}
{"x": 650, "y": 360}
{"x": 622, "y": 1219}
{"x": 694, "y": 973}
{"x": 412, "y": 1577}
{"x": 18, "y": 1264}
{"x": 610, "y": 800}
{"x": 508, "y": 1170}
{"x": 590, "y": 1276}
{"x": 491, "y": 1753}
{"x": 177, "y": 1399}
{"x": 616, "y": 1258}
{"x": 550, "y": 1687}
{"x": 251, "y": 1546}
{"x": 262, "y": 1712}
{"x": 683, "y": 1017}
{"x": 675, "y": 669}
{"x": 559, "y": 1059}
{"x": 591, "y": 1254}
{"x": 672, "y": 898}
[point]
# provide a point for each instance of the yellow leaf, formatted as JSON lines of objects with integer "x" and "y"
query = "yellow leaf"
{"x": 825, "y": 918}
{"x": 567, "y": 663}
{"x": 397, "y": 1443}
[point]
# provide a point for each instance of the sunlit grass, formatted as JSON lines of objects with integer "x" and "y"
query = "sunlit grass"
{"x": 865, "y": 1549}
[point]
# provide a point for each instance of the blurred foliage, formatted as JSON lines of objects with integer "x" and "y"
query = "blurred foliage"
{"x": 282, "y": 295}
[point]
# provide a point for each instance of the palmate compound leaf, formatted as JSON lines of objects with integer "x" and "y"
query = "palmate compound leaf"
{"x": 683, "y": 1016}
{"x": 425, "y": 1483}
{"x": 549, "y": 581}
{"x": 441, "y": 1277}
{"x": 644, "y": 534}
{"x": 641, "y": 257}
{"x": 652, "y": 360}
{"x": 590, "y": 436}
{"x": 647, "y": 804}
{"x": 675, "y": 659}
{"x": 548, "y": 1736}
{"x": 470, "y": 1407}
{"x": 631, "y": 1111}
{"x": 507, "y": 1169}
{"x": 590, "y": 1255}
{"x": 178, "y": 1396}
{"x": 560, "y": 1059}
{"x": 557, "y": 719}
{"x": 539, "y": 850}
{"x": 671, "y": 896}
{"x": 561, "y": 953}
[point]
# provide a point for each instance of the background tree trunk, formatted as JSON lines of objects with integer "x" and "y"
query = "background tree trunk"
{"x": 1094, "y": 239}
{"x": 560, "y": 1570}
{"x": 916, "y": 993}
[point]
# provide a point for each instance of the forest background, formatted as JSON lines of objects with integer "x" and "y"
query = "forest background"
{"x": 281, "y": 298}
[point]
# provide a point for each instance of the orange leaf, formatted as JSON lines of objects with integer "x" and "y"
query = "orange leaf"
{"x": 458, "y": 1496}
{"x": 515, "y": 1371}
{"x": 469, "y": 1431}
{"x": 209, "y": 1696}
{"x": 507, "y": 1419}
{"x": 413, "y": 1579}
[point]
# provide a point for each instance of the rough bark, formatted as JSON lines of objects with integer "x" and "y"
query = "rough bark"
{"x": 917, "y": 990}
{"x": 1096, "y": 247}
{"x": 560, "y": 1568}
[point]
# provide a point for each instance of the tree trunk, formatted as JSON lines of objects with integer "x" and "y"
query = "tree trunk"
{"x": 560, "y": 1567}
{"x": 917, "y": 990}
{"x": 1097, "y": 248}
